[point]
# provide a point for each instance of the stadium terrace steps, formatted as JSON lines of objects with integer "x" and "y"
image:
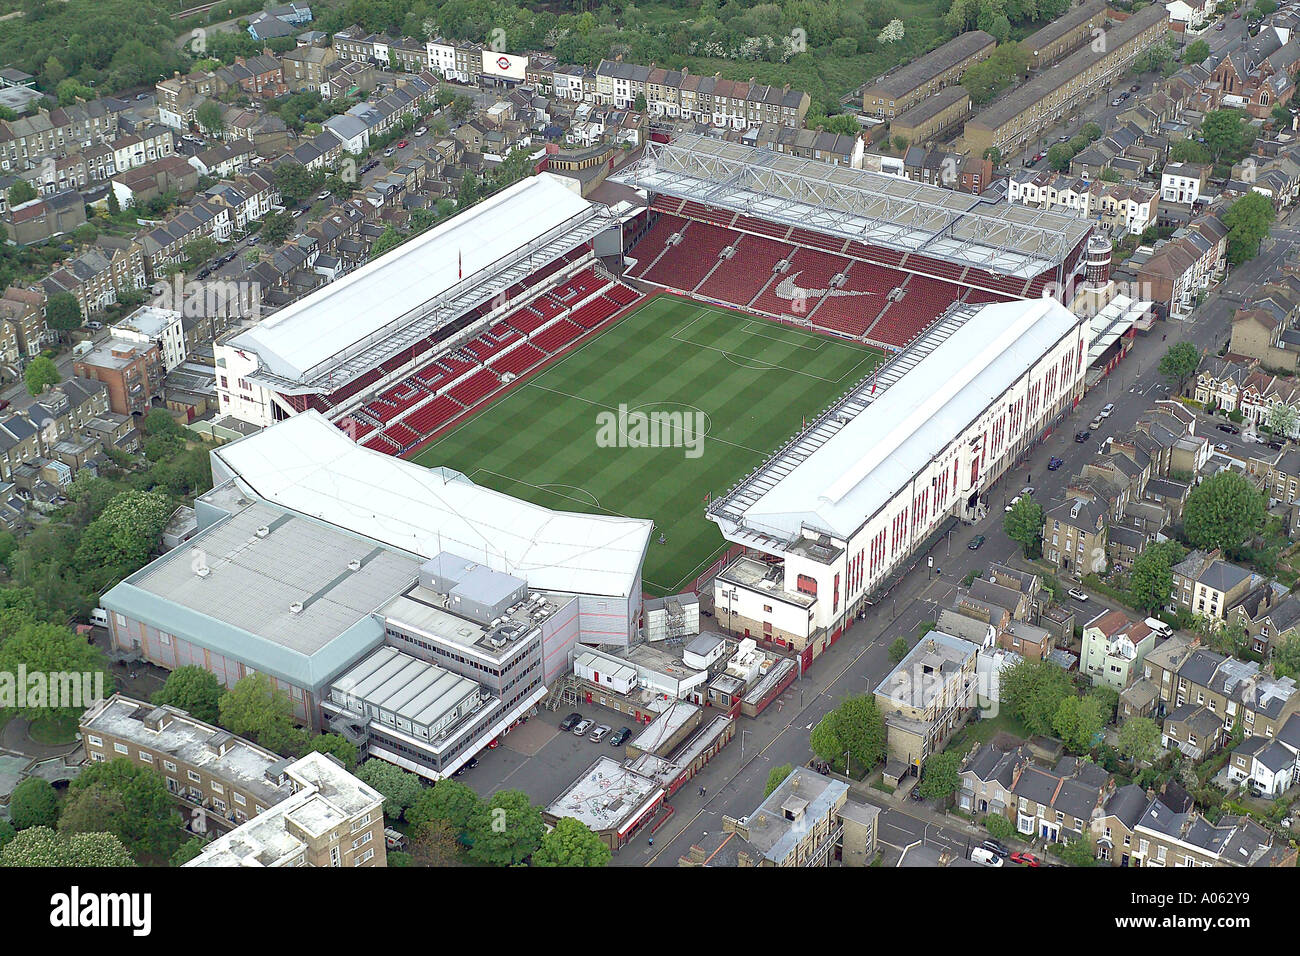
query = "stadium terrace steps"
{"x": 519, "y": 359}
{"x": 810, "y": 270}
{"x": 739, "y": 279}
{"x": 923, "y": 301}
{"x": 655, "y": 243}
{"x": 557, "y": 336}
{"x": 854, "y": 314}
{"x": 683, "y": 266}
{"x": 475, "y": 388}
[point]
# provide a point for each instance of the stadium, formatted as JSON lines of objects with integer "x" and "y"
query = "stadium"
{"x": 773, "y": 297}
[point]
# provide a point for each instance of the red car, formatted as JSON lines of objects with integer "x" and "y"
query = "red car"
{"x": 402, "y": 145}
{"x": 1026, "y": 859}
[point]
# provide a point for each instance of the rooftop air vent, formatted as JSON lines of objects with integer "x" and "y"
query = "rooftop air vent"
{"x": 203, "y": 570}
{"x": 295, "y": 607}
{"x": 354, "y": 565}
{"x": 263, "y": 531}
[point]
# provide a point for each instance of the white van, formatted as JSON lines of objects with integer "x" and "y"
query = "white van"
{"x": 1159, "y": 627}
{"x": 985, "y": 857}
{"x": 99, "y": 617}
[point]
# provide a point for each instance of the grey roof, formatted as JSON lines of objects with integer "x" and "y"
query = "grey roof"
{"x": 1222, "y": 576}
{"x": 921, "y": 70}
{"x": 1127, "y": 804}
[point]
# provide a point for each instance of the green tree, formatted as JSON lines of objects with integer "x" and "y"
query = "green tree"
{"x": 1179, "y": 363}
{"x": 336, "y": 746}
{"x": 1196, "y": 52}
{"x": 855, "y": 728}
{"x": 1059, "y": 156}
{"x": 776, "y": 777}
{"x": 40, "y": 374}
{"x": 1151, "y": 578}
{"x": 1247, "y": 220}
{"x": 189, "y": 850}
{"x": 1283, "y": 419}
{"x": 1286, "y": 657}
{"x": 571, "y": 843}
{"x": 639, "y": 104}
{"x": 448, "y": 801}
{"x": 898, "y": 650}
{"x": 114, "y": 205}
{"x": 1024, "y": 525}
{"x": 7, "y": 833}
{"x": 39, "y": 647}
{"x": 1189, "y": 151}
{"x": 434, "y": 844}
{"x": 390, "y": 238}
{"x": 257, "y": 709}
{"x": 1091, "y": 132}
{"x": 1079, "y": 851}
{"x": 1033, "y": 691}
{"x": 1225, "y": 133}
{"x": 505, "y": 831}
{"x": 192, "y": 689}
{"x": 1077, "y": 721}
{"x": 1224, "y": 511}
{"x": 41, "y": 846}
{"x": 210, "y": 118}
{"x": 34, "y": 803}
{"x": 21, "y": 191}
{"x": 941, "y": 776}
{"x": 123, "y": 798}
{"x": 999, "y": 827}
{"x": 1138, "y": 738}
{"x": 400, "y": 788}
{"x": 277, "y": 227}
{"x": 122, "y": 539}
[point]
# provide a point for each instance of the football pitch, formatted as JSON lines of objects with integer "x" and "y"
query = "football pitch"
{"x": 558, "y": 439}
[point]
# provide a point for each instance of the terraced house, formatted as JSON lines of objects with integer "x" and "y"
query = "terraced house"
{"x": 706, "y": 99}
{"x": 900, "y": 90}
{"x": 25, "y": 141}
{"x": 94, "y": 277}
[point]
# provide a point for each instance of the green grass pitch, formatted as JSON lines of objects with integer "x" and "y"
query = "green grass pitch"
{"x": 754, "y": 380}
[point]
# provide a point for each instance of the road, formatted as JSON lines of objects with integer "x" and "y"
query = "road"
{"x": 734, "y": 780}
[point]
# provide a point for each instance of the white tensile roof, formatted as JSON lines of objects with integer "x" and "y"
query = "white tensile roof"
{"x": 346, "y": 311}
{"x": 863, "y": 466}
{"x": 307, "y": 465}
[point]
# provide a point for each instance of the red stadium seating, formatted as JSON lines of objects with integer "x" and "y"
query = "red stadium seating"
{"x": 739, "y": 278}
{"x": 684, "y": 265}
{"x": 430, "y": 417}
{"x": 653, "y": 242}
{"x": 475, "y": 388}
{"x": 853, "y": 314}
{"x": 924, "y": 300}
{"x": 557, "y": 336}
{"x": 809, "y": 269}
{"x": 519, "y": 359}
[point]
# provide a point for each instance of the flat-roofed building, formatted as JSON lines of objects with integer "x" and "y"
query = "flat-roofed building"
{"x": 943, "y": 66}
{"x": 927, "y": 696}
{"x": 611, "y": 800}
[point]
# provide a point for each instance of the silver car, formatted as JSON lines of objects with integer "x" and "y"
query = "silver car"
{"x": 581, "y": 727}
{"x": 599, "y": 733}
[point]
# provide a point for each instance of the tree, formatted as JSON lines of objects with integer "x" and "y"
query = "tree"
{"x": 192, "y": 689}
{"x": 505, "y": 831}
{"x": 1079, "y": 851}
{"x": 1091, "y": 131}
{"x": 571, "y": 843}
{"x": 123, "y": 798}
{"x": 1189, "y": 151}
{"x": 21, "y": 191}
{"x": 1138, "y": 738}
{"x": 187, "y": 851}
{"x": 775, "y": 778}
{"x": 34, "y": 803}
{"x": 855, "y": 728}
{"x": 1282, "y": 116}
{"x": 639, "y": 104}
{"x": 7, "y": 833}
{"x": 1247, "y": 221}
{"x": 1196, "y": 52}
{"x": 210, "y": 118}
{"x": 257, "y": 709}
{"x": 434, "y": 844}
{"x": 1179, "y": 363}
{"x": 999, "y": 827}
{"x": 390, "y": 238}
{"x": 1151, "y": 578}
{"x": 1033, "y": 691}
{"x": 72, "y": 669}
{"x": 1224, "y": 133}
{"x": 1024, "y": 525}
{"x": 447, "y": 800}
{"x": 1286, "y": 657}
{"x": 277, "y": 227}
{"x": 898, "y": 650}
{"x": 122, "y": 539}
{"x": 336, "y": 746}
{"x": 1224, "y": 511}
{"x": 941, "y": 776}
{"x": 40, "y": 374}
{"x": 400, "y": 788}
{"x": 1059, "y": 156}
{"x": 41, "y": 846}
{"x": 1283, "y": 419}
{"x": 1077, "y": 721}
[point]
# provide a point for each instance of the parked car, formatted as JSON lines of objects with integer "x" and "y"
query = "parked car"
{"x": 1106, "y": 410}
{"x": 1220, "y": 27}
{"x": 581, "y": 727}
{"x": 599, "y": 733}
{"x": 403, "y": 144}
{"x": 1095, "y": 423}
{"x": 1012, "y": 503}
{"x": 4, "y": 403}
{"x": 1077, "y": 594}
{"x": 323, "y": 196}
{"x": 94, "y": 326}
{"x": 1275, "y": 445}
{"x": 1117, "y": 102}
{"x": 421, "y": 131}
{"x": 469, "y": 764}
{"x": 389, "y": 151}
{"x": 1230, "y": 429}
{"x": 1082, "y": 437}
{"x": 1054, "y": 463}
{"x": 1027, "y": 490}
{"x": 996, "y": 846}
{"x": 568, "y": 722}
{"x": 975, "y": 542}
{"x": 985, "y": 857}
{"x": 620, "y": 736}
{"x": 915, "y": 793}
{"x": 1026, "y": 859}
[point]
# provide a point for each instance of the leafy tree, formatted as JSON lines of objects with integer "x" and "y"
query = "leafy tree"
{"x": 1189, "y": 151}
{"x": 571, "y": 843}
{"x": 775, "y": 778}
{"x": 210, "y": 118}
{"x": 433, "y": 844}
{"x": 639, "y": 104}
{"x": 277, "y": 227}
{"x": 1059, "y": 156}
{"x": 7, "y": 833}
{"x": 1224, "y": 511}
{"x": 400, "y": 788}
{"x": 941, "y": 776}
{"x": 505, "y": 831}
{"x": 857, "y": 728}
{"x": 40, "y": 374}
{"x": 1179, "y": 363}
{"x": 1079, "y": 851}
{"x": 295, "y": 182}
{"x": 54, "y": 650}
{"x": 1024, "y": 525}
{"x": 1286, "y": 657}
{"x": 189, "y": 850}
{"x": 390, "y": 238}
{"x": 41, "y": 846}
{"x": 1033, "y": 692}
{"x": 123, "y": 798}
{"x": 1151, "y": 578}
{"x": 192, "y": 689}
{"x": 255, "y": 708}
{"x": 1247, "y": 220}
{"x": 999, "y": 827}
{"x": 1225, "y": 133}
{"x": 21, "y": 191}
{"x": 34, "y": 803}
{"x": 1138, "y": 738}
{"x": 1283, "y": 419}
{"x": 336, "y": 746}
{"x": 1282, "y": 116}
{"x": 1196, "y": 52}
{"x": 898, "y": 650}
{"x": 1077, "y": 721}
{"x": 449, "y": 801}
{"x": 1091, "y": 132}
{"x": 123, "y": 537}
